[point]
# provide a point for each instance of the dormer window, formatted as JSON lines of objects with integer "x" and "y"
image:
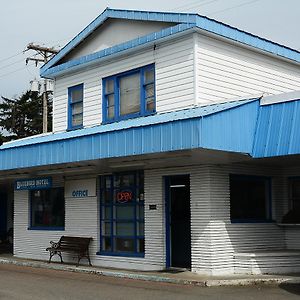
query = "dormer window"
{"x": 129, "y": 95}
{"x": 75, "y": 110}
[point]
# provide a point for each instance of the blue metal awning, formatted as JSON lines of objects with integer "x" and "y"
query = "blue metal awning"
{"x": 228, "y": 127}
{"x": 241, "y": 126}
{"x": 278, "y": 130}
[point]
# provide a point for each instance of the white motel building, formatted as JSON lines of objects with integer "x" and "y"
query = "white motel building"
{"x": 175, "y": 144}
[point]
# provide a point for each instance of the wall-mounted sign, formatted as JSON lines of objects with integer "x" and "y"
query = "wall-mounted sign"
{"x": 33, "y": 184}
{"x": 80, "y": 188}
{"x": 124, "y": 196}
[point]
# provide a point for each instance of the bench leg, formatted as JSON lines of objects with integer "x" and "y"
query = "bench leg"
{"x": 52, "y": 253}
{"x": 88, "y": 257}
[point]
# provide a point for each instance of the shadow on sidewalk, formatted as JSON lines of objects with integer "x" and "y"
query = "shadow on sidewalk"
{"x": 293, "y": 288}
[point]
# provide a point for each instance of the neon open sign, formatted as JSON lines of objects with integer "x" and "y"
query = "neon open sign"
{"x": 124, "y": 196}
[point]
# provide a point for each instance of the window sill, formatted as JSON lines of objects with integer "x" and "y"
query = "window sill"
{"x": 247, "y": 221}
{"x": 120, "y": 254}
{"x": 75, "y": 128}
{"x": 129, "y": 117}
{"x": 47, "y": 228}
{"x": 288, "y": 224}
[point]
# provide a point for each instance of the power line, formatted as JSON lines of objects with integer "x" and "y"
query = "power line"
{"x": 186, "y": 5}
{"x": 7, "y": 58}
{"x": 5, "y": 75}
{"x": 198, "y": 5}
{"x": 6, "y": 66}
{"x": 232, "y": 7}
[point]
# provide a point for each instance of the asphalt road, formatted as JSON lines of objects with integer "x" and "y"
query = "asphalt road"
{"x": 28, "y": 283}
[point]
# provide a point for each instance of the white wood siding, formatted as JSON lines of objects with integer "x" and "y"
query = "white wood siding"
{"x": 174, "y": 82}
{"x": 228, "y": 71}
{"x": 214, "y": 239}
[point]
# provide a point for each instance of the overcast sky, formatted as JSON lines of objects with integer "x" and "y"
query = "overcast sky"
{"x": 55, "y": 22}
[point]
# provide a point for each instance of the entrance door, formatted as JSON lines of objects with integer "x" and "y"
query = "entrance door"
{"x": 178, "y": 219}
{"x": 3, "y": 214}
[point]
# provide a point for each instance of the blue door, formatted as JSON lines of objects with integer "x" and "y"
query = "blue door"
{"x": 178, "y": 222}
{"x": 3, "y": 214}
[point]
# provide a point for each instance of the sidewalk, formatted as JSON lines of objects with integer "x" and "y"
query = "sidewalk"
{"x": 177, "y": 277}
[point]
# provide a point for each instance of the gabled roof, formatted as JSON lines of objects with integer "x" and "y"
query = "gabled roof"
{"x": 182, "y": 21}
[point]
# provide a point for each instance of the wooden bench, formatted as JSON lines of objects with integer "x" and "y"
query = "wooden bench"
{"x": 73, "y": 244}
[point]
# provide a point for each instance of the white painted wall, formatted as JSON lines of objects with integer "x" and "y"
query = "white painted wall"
{"x": 174, "y": 82}
{"x": 227, "y": 71}
{"x": 114, "y": 32}
{"x": 214, "y": 238}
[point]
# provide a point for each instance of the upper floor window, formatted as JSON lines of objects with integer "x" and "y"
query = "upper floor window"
{"x": 75, "y": 113}
{"x": 250, "y": 198}
{"x": 128, "y": 95}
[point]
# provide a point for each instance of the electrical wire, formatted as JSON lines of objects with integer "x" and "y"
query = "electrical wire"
{"x": 6, "y": 66}
{"x": 10, "y": 73}
{"x": 188, "y": 7}
{"x": 232, "y": 7}
{"x": 7, "y": 58}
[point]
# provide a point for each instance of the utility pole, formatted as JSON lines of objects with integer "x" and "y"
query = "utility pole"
{"x": 44, "y": 54}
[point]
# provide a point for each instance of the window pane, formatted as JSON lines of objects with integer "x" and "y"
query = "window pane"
{"x": 130, "y": 94}
{"x": 77, "y": 95}
{"x": 249, "y": 198}
{"x": 296, "y": 188}
{"x": 111, "y": 112}
{"x": 77, "y": 108}
{"x": 140, "y": 212}
{"x": 149, "y": 90}
{"x": 106, "y": 212}
{"x": 124, "y": 245}
{"x": 106, "y": 244}
{"x": 110, "y": 100}
{"x": 77, "y": 120}
{"x": 106, "y": 228}
{"x": 140, "y": 229}
{"x": 141, "y": 245}
{"x": 109, "y": 88}
{"x": 106, "y": 195}
{"x": 48, "y": 208}
{"x": 124, "y": 180}
{"x": 125, "y": 229}
{"x": 149, "y": 75}
{"x": 150, "y": 104}
{"x": 125, "y": 212}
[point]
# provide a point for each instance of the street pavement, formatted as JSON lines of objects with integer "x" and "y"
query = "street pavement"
{"x": 24, "y": 283}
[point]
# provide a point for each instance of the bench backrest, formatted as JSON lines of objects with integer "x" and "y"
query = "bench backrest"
{"x": 74, "y": 243}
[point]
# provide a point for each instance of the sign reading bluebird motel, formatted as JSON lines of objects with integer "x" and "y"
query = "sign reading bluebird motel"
{"x": 33, "y": 184}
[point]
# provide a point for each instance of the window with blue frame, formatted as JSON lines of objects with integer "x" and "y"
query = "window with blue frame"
{"x": 122, "y": 214}
{"x": 75, "y": 113}
{"x": 47, "y": 208}
{"x": 250, "y": 198}
{"x": 129, "y": 94}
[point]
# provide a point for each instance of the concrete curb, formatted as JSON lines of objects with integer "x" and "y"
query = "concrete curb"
{"x": 154, "y": 278}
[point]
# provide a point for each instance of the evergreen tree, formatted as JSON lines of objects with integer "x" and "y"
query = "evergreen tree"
{"x": 22, "y": 117}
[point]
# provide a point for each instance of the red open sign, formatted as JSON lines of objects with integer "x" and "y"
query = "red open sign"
{"x": 124, "y": 196}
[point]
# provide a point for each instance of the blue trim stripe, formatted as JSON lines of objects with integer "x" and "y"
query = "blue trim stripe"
{"x": 183, "y": 21}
